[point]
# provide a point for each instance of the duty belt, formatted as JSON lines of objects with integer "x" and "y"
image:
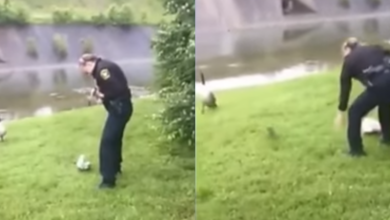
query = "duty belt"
{"x": 372, "y": 72}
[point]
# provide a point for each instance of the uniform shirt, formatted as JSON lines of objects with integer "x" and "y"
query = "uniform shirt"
{"x": 359, "y": 59}
{"x": 111, "y": 80}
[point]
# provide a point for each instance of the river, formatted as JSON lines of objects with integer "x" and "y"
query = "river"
{"x": 277, "y": 51}
{"x": 46, "y": 84}
{"x": 230, "y": 58}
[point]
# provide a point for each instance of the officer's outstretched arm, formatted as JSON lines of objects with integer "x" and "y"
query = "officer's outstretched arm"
{"x": 345, "y": 87}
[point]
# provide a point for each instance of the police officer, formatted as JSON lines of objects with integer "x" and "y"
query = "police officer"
{"x": 368, "y": 64}
{"x": 116, "y": 98}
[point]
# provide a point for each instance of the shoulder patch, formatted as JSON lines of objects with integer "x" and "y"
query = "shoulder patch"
{"x": 105, "y": 74}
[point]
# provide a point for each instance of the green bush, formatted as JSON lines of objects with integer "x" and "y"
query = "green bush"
{"x": 32, "y": 49}
{"x": 344, "y": 3}
{"x": 119, "y": 15}
{"x": 175, "y": 49}
{"x": 62, "y": 16}
{"x": 13, "y": 14}
{"x": 87, "y": 45}
{"x": 144, "y": 17}
{"x": 99, "y": 19}
{"x": 60, "y": 46}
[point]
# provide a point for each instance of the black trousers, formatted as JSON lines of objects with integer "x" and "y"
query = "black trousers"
{"x": 119, "y": 113}
{"x": 364, "y": 103}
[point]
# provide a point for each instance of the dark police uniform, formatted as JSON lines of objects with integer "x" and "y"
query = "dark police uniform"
{"x": 112, "y": 83}
{"x": 369, "y": 65}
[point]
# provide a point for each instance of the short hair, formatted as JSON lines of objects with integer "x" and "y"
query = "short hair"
{"x": 351, "y": 43}
{"x": 88, "y": 58}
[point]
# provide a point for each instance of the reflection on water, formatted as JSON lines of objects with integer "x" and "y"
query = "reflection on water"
{"x": 60, "y": 78}
{"x": 343, "y": 27}
{"x": 371, "y": 26}
{"x": 297, "y": 33}
{"x": 32, "y": 77}
{"x": 259, "y": 56}
{"x": 40, "y": 92}
{"x": 43, "y": 104}
{"x": 44, "y": 111}
{"x": 273, "y": 48}
{"x": 293, "y": 72}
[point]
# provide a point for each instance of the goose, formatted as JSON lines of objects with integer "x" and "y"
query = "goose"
{"x": 92, "y": 97}
{"x": 3, "y": 130}
{"x": 370, "y": 126}
{"x": 208, "y": 98}
{"x": 83, "y": 164}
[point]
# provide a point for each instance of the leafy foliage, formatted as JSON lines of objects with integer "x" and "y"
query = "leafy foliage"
{"x": 121, "y": 15}
{"x": 62, "y": 16}
{"x": 12, "y": 14}
{"x": 32, "y": 49}
{"x": 60, "y": 46}
{"x": 175, "y": 49}
{"x": 87, "y": 45}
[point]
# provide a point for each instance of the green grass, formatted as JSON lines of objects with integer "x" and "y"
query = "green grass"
{"x": 245, "y": 174}
{"x": 145, "y": 11}
{"x": 39, "y": 181}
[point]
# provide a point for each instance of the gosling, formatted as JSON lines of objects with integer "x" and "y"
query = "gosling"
{"x": 92, "y": 97}
{"x": 3, "y": 130}
{"x": 208, "y": 98}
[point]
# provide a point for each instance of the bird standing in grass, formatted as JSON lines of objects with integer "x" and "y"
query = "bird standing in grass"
{"x": 272, "y": 133}
{"x": 83, "y": 164}
{"x": 208, "y": 98}
{"x": 3, "y": 130}
{"x": 370, "y": 126}
{"x": 93, "y": 97}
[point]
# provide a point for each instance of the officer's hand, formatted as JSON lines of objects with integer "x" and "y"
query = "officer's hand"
{"x": 339, "y": 120}
{"x": 99, "y": 94}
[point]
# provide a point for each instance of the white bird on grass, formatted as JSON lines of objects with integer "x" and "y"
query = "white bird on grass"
{"x": 370, "y": 126}
{"x": 83, "y": 164}
{"x": 3, "y": 130}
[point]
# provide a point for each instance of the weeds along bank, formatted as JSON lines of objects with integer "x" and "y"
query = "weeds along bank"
{"x": 105, "y": 12}
{"x": 22, "y": 14}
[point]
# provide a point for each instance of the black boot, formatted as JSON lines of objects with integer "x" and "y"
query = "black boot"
{"x": 385, "y": 141}
{"x": 119, "y": 170}
{"x": 357, "y": 153}
{"x": 107, "y": 184}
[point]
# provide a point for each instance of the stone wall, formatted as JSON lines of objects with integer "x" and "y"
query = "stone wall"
{"x": 239, "y": 14}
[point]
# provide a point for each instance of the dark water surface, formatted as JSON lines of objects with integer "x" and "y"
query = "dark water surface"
{"x": 46, "y": 84}
{"x": 271, "y": 53}
{"x": 229, "y": 58}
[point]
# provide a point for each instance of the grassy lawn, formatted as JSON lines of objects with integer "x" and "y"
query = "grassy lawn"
{"x": 145, "y": 11}
{"x": 39, "y": 181}
{"x": 243, "y": 173}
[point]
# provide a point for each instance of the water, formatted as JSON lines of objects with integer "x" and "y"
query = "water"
{"x": 44, "y": 90}
{"x": 282, "y": 51}
{"x": 43, "y": 85}
{"x": 218, "y": 15}
{"x": 230, "y": 58}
